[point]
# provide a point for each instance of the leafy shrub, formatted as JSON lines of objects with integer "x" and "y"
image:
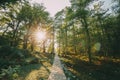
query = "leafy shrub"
{"x": 10, "y": 52}
{"x": 27, "y": 53}
{"x": 32, "y": 60}
{"x": 4, "y": 63}
{"x": 5, "y": 51}
{"x": 16, "y": 53}
{"x": 4, "y": 40}
{"x": 10, "y": 73}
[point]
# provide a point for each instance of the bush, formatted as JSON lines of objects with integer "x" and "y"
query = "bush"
{"x": 5, "y": 51}
{"x": 4, "y": 40}
{"x": 4, "y": 63}
{"x": 10, "y": 73}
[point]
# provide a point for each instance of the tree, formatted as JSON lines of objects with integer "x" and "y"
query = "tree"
{"x": 10, "y": 23}
{"x": 35, "y": 17}
{"x": 81, "y": 13}
{"x": 59, "y": 22}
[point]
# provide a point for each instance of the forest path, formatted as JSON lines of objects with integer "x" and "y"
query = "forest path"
{"x": 57, "y": 72}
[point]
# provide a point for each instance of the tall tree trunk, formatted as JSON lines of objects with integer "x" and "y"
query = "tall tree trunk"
{"x": 15, "y": 32}
{"x": 84, "y": 22}
{"x": 74, "y": 39}
{"x": 62, "y": 40}
{"x": 32, "y": 47}
{"x": 66, "y": 41}
{"x": 53, "y": 45}
{"x": 25, "y": 42}
{"x": 44, "y": 50}
{"x": 59, "y": 42}
{"x": 26, "y": 37}
{"x": 103, "y": 37}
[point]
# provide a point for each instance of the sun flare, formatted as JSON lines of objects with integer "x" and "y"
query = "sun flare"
{"x": 40, "y": 35}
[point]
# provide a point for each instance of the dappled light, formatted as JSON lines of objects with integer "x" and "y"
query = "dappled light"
{"x": 37, "y": 74}
{"x": 80, "y": 41}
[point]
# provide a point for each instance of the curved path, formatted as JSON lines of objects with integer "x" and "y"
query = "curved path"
{"x": 57, "y": 72}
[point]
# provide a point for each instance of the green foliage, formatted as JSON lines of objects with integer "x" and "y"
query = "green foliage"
{"x": 31, "y": 60}
{"x": 78, "y": 29}
{"x": 3, "y": 2}
{"x": 98, "y": 28}
{"x": 12, "y": 56}
{"x": 4, "y": 41}
{"x": 18, "y": 21}
{"x": 10, "y": 73}
{"x": 7, "y": 51}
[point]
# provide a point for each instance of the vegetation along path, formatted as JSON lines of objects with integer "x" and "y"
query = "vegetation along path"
{"x": 57, "y": 70}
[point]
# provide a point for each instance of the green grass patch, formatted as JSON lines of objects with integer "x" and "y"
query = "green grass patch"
{"x": 33, "y": 65}
{"x": 36, "y": 71}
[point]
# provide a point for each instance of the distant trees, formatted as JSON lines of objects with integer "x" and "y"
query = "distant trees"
{"x": 89, "y": 30}
{"x": 78, "y": 12}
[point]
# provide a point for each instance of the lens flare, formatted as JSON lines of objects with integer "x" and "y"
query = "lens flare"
{"x": 40, "y": 35}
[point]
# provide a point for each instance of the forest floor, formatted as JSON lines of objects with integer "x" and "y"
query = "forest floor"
{"x": 77, "y": 67}
{"x": 37, "y": 71}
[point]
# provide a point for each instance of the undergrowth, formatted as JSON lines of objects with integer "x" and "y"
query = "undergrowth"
{"x": 77, "y": 67}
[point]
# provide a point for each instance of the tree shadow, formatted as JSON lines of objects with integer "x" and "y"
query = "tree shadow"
{"x": 26, "y": 69}
{"x": 83, "y": 70}
{"x": 45, "y": 61}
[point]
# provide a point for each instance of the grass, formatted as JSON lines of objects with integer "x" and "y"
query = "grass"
{"x": 37, "y": 71}
{"x": 77, "y": 67}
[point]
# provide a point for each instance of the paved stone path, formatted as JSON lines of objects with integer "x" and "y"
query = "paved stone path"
{"x": 57, "y": 72}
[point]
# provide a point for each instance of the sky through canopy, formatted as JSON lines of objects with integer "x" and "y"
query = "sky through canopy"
{"x": 53, "y": 6}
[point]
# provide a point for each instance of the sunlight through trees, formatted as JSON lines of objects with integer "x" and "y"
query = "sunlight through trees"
{"x": 85, "y": 35}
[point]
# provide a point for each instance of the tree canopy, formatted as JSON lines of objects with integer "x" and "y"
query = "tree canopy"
{"x": 85, "y": 29}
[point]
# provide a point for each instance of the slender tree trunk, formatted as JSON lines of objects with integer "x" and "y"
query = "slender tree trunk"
{"x": 53, "y": 40}
{"x": 25, "y": 42}
{"x": 88, "y": 39}
{"x": 26, "y": 37}
{"x": 15, "y": 32}
{"x": 32, "y": 47}
{"x": 74, "y": 39}
{"x": 59, "y": 42}
{"x": 66, "y": 41}
{"x": 44, "y": 50}
{"x": 32, "y": 44}
{"x": 62, "y": 40}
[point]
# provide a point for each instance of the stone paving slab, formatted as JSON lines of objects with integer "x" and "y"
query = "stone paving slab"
{"x": 57, "y": 72}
